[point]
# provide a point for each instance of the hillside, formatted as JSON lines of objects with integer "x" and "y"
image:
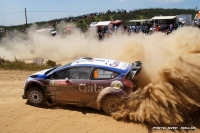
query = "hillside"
{"x": 83, "y": 21}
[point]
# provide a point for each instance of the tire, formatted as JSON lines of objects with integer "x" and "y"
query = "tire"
{"x": 35, "y": 97}
{"x": 110, "y": 104}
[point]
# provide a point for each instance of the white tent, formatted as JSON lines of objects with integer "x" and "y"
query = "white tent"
{"x": 141, "y": 20}
{"x": 163, "y": 17}
{"x": 100, "y": 23}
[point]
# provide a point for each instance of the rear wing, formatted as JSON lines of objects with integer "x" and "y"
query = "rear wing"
{"x": 137, "y": 66}
{"x": 135, "y": 70}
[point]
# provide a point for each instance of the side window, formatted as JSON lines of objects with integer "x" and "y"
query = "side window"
{"x": 80, "y": 73}
{"x": 104, "y": 74}
{"x": 63, "y": 74}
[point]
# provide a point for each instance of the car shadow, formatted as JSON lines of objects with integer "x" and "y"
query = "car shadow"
{"x": 84, "y": 110}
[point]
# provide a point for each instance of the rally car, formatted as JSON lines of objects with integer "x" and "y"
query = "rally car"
{"x": 92, "y": 82}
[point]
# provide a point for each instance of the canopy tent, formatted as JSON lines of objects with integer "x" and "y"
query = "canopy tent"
{"x": 163, "y": 17}
{"x": 117, "y": 22}
{"x": 140, "y": 20}
{"x": 101, "y": 23}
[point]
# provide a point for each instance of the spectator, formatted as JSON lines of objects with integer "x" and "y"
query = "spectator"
{"x": 171, "y": 27}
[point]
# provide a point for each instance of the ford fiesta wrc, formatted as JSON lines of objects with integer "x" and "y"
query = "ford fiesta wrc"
{"x": 92, "y": 82}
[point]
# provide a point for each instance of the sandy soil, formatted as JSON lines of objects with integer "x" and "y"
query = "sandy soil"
{"x": 17, "y": 116}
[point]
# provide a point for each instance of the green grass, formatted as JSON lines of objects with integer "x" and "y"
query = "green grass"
{"x": 21, "y": 65}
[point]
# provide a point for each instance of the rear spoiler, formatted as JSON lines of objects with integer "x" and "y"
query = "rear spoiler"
{"x": 135, "y": 70}
{"x": 137, "y": 66}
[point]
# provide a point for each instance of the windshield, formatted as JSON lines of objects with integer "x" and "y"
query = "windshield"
{"x": 50, "y": 70}
{"x": 59, "y": 68}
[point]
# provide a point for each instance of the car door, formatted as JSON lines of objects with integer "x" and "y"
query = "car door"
{"x": 100, "y": 79}
{"x": 71, "y": 84}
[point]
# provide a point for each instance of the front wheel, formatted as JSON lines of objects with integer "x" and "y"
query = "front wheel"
{"x": 35, "y": 97}
{"x": 111, "y": 104}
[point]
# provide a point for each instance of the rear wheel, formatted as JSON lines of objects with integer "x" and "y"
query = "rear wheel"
{"x": 111, "y": 104}
{"x": 35, "y": 97}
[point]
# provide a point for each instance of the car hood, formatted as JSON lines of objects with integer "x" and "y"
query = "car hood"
{"x": 41, "y": 74}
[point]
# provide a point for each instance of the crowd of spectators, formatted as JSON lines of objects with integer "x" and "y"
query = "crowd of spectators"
{"x": 196, "y": 23}
{"x": 108, "y": 31}
{"x": 146, "y": 28}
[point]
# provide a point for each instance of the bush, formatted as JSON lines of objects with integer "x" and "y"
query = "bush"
{"x": 50, "y": 63}
{"x": 21, "y": 65}
{"x": 2, "y": 60}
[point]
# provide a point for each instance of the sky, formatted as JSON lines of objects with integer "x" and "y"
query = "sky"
{"x": 12, "y": 12}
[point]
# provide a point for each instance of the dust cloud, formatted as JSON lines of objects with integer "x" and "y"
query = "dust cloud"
{"x": 170, "y": 83}
{"x": 58, "y": 48}
{"x": 171, "y": 87}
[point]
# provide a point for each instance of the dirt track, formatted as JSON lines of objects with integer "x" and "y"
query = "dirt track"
{"x": 17, "y": 116}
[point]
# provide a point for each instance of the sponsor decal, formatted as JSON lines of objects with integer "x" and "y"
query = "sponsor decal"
{"x": 59, "y": 82}
{"x": 55, "y": 92}
{"x": 117, "y": 85}
{"x": 101, "y": 60}
{"x": 52, "y": 82}
{"x": 124, "y": 66}
{"x": 91, "y": 89}
{"x": 96, "y": 74}
{"x": 92, "y": 60}
{"x": 115, "y": 63}
{"x": 103, "y": 74}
